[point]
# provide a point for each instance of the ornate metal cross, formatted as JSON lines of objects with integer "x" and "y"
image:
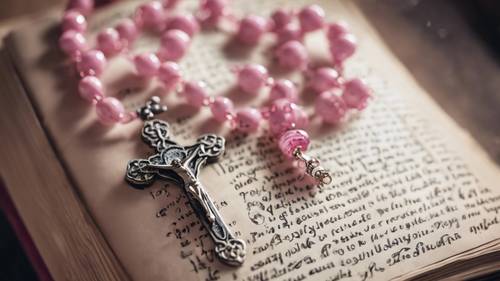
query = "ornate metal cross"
{"x": 181, "y": 165}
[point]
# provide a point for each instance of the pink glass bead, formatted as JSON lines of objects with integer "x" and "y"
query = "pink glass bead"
{"x": 74, "y": 20}
{"x": 343, "y": 47}
{"x": 330, "y": 107}
{"x": 281, "y": 18}
{"x": 356, "y": 94}
{"x": 72, "y": 43}
{"x": 174, "y": 45}
{"x": 150, "y": 15}
{"x": 146, "y": 64}
{"x": 248, "y": 119}
{"x": 324, "y": 79}
{"x": 292, "y": 55}
{"x": 311, "y": 18}
{"x": 83, "y": 6}
{"x": 214, "y": 7}
{"x": 292, "y": 140}
{"x": 186, "y": 23}
{"x": 285, "y": 115}
{"x": 195, "y": 93}
{"x": 169, "y": 73}
{"x": 283, "y": 89}
{"x": 91, "y": 89}
{"x": 251, "y": 29}
{"x": 128, "y": 31}
{"x": 110, "y": 110}
{"x": 170, "y": 4}
{"x": 91, "y": 62}
{"x": 252, "y": 77}
{"x": 222, "y": 108}
{"x": 289, "y": 33}
{"x": 336, "y": 29}
{"x": 108, "y": 41}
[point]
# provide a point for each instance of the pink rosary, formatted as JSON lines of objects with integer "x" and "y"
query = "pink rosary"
{"x": 286, "y": 119}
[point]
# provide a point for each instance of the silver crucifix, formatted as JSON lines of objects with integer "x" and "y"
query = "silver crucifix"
{"x": 181, "y": 165}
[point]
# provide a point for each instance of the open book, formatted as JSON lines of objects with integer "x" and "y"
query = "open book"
{"x": 413, "y": 196}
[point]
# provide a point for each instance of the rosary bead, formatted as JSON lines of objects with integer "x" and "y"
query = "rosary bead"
{"x": 110, "y": 110}
{"x": 283, "y": 89}
{"x": 195, "y": 93}
{"x": 330, "y": 107}
{"x": 170, "y": 4}
{"x": 170, "y": 74}
{"x": 214, "y": 7}
{"x": 311, "y": 18}
{"x": 146, "y": 64}
{"x": 289, "y": 32}
{"x": 83, "y": 6}
{"x": 281, "y": 18}
{"x": 91, "y": 89}
{"x": 127, "y": 30}
{"x": 186, "y": 23}
{"x": 285, "y": 115}
{"x": 222, "y": 108}
{"x": 252, "y": 77}
{"x": 356, "y": 94}
{"x": 342, "y": 48}
{"x": 335, "y": 30}
{"x": 248, "y": 119}
{"x": 251, "y": 29}
{"x": 324, "y": 79}
{"x": 72, "y": 43}
{"x": 74, "y": 20}
{"x": 91, "y": 62}
{"x": 150, "y": 15}
{"x": 292, "y": 55}
{"x": 174, "y": 44}
{"x": 292, "y": 140}
{"x": 108, "y": 41}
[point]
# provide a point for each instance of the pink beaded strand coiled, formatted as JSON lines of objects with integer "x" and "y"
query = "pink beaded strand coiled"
{"x": 286, "y": 119}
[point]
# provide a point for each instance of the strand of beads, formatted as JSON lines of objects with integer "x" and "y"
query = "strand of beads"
{"x": 286, "y": 119}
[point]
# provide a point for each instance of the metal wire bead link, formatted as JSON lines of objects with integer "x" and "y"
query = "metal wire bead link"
{"x": 313, "y": 167}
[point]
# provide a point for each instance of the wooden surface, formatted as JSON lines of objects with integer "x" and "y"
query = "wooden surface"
{"x": 64, "y": 233}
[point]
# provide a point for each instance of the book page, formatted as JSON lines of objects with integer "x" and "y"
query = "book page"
{"x": 409, "y": 188}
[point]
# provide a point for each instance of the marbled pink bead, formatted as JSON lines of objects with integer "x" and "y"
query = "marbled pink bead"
{"x": 170, "y": 4}
{"x": 324, "y": 79}
{"x": 91, "y": 62}
{"x": 174, "y": 45}
{"x": 311, "y": 18}
{"x": 186, "y": 23}
{"x": 128, "y": 31}
{"x": 108, "y": 41}
{"x": 336, "y": 29}
{"x": 72, "y": 43}
{"x": 356, "y": 94}
{"x": 74, "y": 20}
{"x": 146, "y": 64}
{"x": 214, "y": 7}
{"x": 292, "y": 140}
{"x": 151, "y": 15}
{"x": 281, "y": 18}
{"x": 252, "y": 77}
{"x": 289, "y": 33}
{"x": 248, "y": 119}
{"x": 110, "y": 111}
{"x": 196, "y": 93}
{"x": 284, "y": 89}
{"x": 170, "y": 74}
{"x": 292, "y": 55}
{"x": 285, "y": 115}
{"x": 251, "y": 29}
{"x": 330, "y": 107}
{"x": 342, "y": 48}
{"x": 91, "y": 89}
{"x": 222, "y": 108}
{"x": 83, "y": 6}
